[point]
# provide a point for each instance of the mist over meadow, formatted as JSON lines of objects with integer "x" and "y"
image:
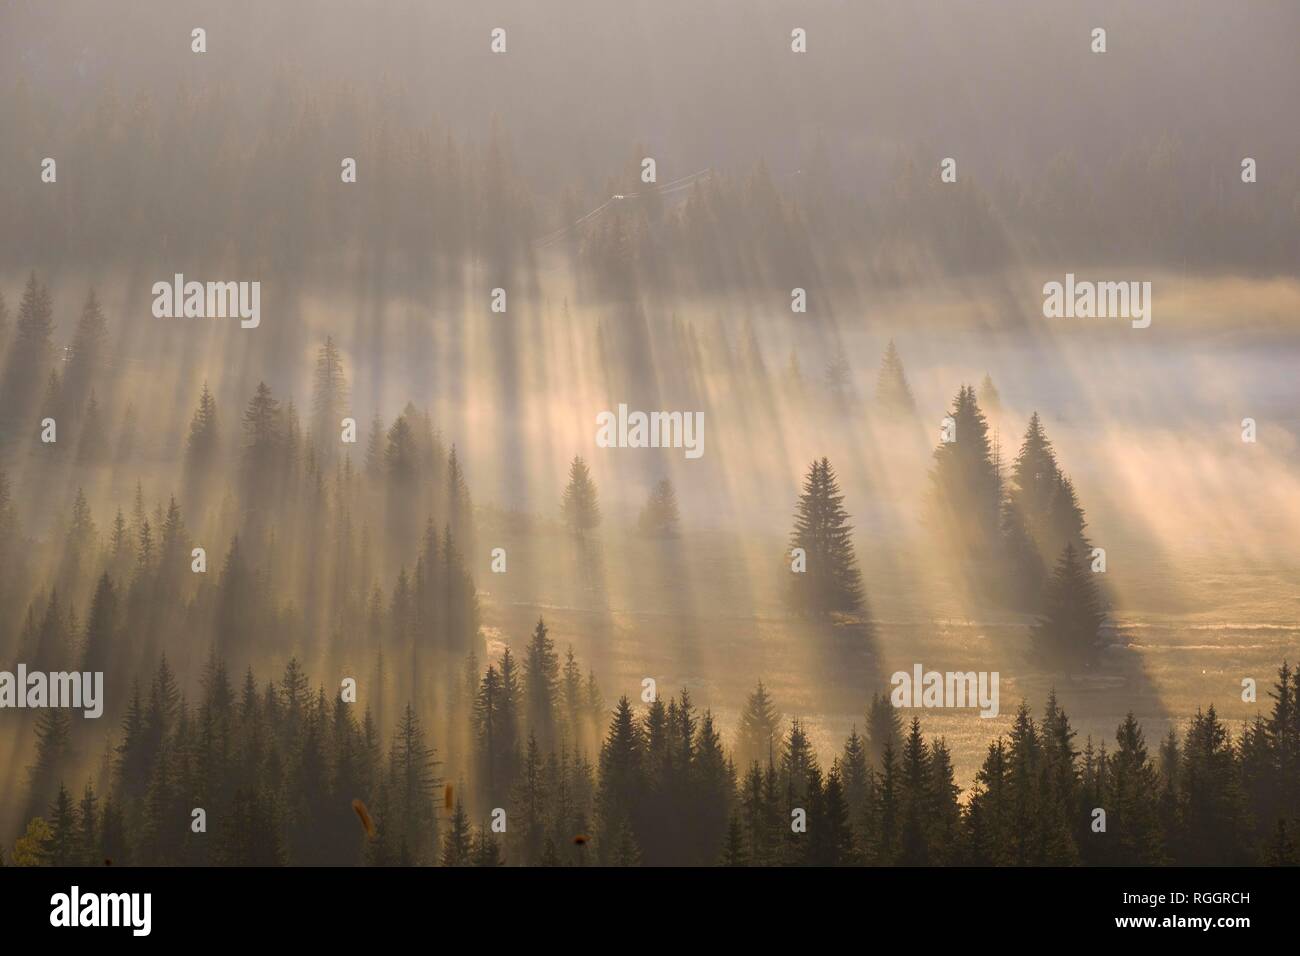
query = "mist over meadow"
{"x": 397, "y": 477}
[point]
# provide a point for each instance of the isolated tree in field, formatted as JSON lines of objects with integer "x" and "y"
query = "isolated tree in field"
{"x": 830, "y": 580}
{"x": 1073, "y": 614}
{"x": 580, "y": 507}
{"x": 892, "y": 391}
{"x": 659, "y": 517}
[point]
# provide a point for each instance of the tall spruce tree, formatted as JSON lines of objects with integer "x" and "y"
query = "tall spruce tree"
{"x": 579, "y": 506}
{"x": 965, "y": 502}
{"x": 760, "y": 728}
{"x": 30, "y": 355}
{"x": 1069, "y": 630}
{"x": 541, "y": 685}
{"x": 329, "y": 401}
{"x": 830, "y": 580}
{"x": 893, "y": 394}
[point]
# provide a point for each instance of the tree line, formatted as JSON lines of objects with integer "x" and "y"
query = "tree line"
{"x": 288, "y": 776}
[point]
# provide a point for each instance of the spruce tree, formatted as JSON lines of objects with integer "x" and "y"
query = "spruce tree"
{"x": 85, "y": 357}
{"x": 101, "y": 627}
{"x": 943, "y": 810}
{"x": 759, "y": 728}
{"x": 989, "y": 398}
{"x": 30, "y": 355}
{"x": 457, "y": 841}
{"x": 203, "y": 442}
{"x": 830, "y": 580}
{"x": 1069, "y": 630}
{"x": 915, "y": 799}
{"x": 580, "y": 508}
{"x": 329, "y": 401}
{"x": 87, "y": 851}
{"x": 541, "y": 684}
{"x": 884, "y": 729}
{"x": 1131, "y": 822}
{"x": 893, "y": 394}
{"x": 965, "y": 500}
{"x": 621, "y": 783}
{"x": 660, "y": 518}
{"x": 1212, "y": 810}
{"x": 60, "y": 847}
{"x": 53, "y": 752}
{"x": 734, "y": 851}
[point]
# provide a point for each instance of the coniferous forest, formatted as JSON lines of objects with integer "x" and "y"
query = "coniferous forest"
{"x": 603, "y": 444}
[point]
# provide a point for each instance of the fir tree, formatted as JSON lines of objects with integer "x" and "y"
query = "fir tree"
{"x": 541, "y": 684}
{"x": 203, "y": 443}
{"x": 1131, "y": 821}
{"x": 329, "y": 400}
{"x": 101, "y": 627}
{"x": 30, "y": 354}
{"x": 989, "y": 398}
{"x": 85, "y": 356}
{"x": 965, "y": 497}
{"x": 60, "y": 847}
{"x": 622, "y": 781}
{"x": 831, "y": 580}
{"x": 1070, "y": 627}
{"x": 660, "y": 518}
{"x": 884, "y": 729}
{"x": 734, "y": 851}
{"x": 892, "y": 391}
{"x": 759, "y": 728}
{"x": 457, "y": 841}
{"x": 580, "y": 508}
